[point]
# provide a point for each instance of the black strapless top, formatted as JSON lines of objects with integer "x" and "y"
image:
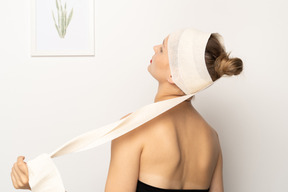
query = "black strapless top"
{"x": 143, "y": 187}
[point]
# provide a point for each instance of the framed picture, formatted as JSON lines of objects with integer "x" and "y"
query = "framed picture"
{"x": 62, "y": 28}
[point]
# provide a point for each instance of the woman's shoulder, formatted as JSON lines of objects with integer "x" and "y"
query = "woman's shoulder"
{"x": 149, "y": 131}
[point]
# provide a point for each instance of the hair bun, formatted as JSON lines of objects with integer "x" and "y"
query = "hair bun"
{"x": 228, "y": 66}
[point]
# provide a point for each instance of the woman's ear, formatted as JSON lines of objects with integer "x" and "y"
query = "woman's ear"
{"x": 170, "y": 80}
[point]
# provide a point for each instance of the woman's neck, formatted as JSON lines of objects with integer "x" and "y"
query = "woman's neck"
{"x": 168, "y": 91}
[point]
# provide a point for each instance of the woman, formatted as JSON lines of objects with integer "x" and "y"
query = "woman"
{"x": 176, "y": 150}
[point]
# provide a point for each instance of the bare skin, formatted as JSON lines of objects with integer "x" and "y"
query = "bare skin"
{"x": 180, "y": 150}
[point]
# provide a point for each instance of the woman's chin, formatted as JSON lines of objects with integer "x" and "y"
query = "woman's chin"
{"x": 148, "y": 68}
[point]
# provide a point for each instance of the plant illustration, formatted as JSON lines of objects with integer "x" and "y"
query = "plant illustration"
{"x": 63, "y": 20}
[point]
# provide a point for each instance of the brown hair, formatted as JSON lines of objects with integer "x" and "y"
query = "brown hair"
{"x": 218, "y": 62}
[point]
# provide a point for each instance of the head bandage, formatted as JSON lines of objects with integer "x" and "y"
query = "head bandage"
{"x": 186, "y": 50}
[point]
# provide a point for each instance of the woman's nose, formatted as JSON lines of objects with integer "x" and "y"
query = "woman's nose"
{"x": 155, "y": 48}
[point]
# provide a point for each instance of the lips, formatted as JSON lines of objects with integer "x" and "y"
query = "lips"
{"x": 151, "y": 61}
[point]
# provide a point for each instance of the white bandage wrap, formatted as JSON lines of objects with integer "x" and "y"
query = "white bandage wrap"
{"x": 186, "y": 50}
{"x": 44, "y": 175}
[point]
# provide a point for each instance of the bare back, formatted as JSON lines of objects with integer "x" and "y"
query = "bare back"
{"x": 180, "y": 150}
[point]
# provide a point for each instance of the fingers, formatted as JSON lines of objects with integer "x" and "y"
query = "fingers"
{"x": 20, "y": 158}
{"x": 22, "y": 166}
{"x": 19, "y": 174}
{"x": 14, "y": 180}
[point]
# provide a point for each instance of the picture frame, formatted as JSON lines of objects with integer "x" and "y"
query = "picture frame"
{"x": 62, "y": 28}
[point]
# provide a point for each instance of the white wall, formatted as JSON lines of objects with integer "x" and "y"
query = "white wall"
{"x": 46, "y": 101}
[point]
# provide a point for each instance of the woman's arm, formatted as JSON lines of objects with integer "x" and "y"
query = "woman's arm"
{"x": 125, "y": 162}
{"x": 217, "y": 179}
